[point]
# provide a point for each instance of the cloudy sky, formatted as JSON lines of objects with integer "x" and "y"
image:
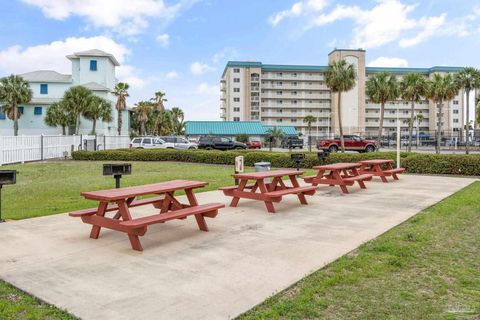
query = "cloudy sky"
{"x": 181, "y": 46}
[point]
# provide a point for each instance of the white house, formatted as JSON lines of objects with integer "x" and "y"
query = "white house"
{"x": 94, "y": 69}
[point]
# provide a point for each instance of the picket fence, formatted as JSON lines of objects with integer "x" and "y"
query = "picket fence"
{"x": 42, "y": 147}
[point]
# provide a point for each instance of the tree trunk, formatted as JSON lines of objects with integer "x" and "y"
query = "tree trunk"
{"x": 309, "y": 137}
{"x": 467, "y": 129}
{"x": 94, "y": 125}
{"x": 119, "y": 122}
{"x": 77, "y": 124}
{"x": 410, "y": 126}
{"x": 64, "y": 131}
{"x": 142, "y": 128}
{"x": 270, "y": 140}
{"x": 439, "y": 126}
{"x": 380, "y": 125}
{"x": 340, "y": 128}
{"x": 15, "y": 120}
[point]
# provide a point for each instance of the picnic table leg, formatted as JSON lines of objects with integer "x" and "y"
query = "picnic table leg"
{"x": 268, "y": 203}
{"x": 241, "y": 186}
{"x": 95, "y": 232}
{"x": 360, "y": 182}
{"x": 337, "y": 176}
{"x": 378, "y": 168}
{"x": 118, "y": 215}
{"x": 134, "y": 239}
{"x": 295, "y": 184}
{"x": 390, "y": 167}
{"x": 202, "y": 224}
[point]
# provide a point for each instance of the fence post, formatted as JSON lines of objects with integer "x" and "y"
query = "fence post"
{"x": 41, "y": 147}
{"x": 104, "y": 142}
{"x": 23, "y": 147}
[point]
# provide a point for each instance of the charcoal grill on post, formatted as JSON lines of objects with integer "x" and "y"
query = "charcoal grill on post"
{"x": 297, "y": 158}
{"x": 117, "y": 170}
{"x": 6, "y": 177}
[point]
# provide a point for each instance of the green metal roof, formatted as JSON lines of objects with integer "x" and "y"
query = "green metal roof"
{"x": 409, "y": 70}
{"x": 231, "y": 128}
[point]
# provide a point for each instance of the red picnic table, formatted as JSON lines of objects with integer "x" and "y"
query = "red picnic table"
{"x": 125, "y": 198}
{"x": 268, "y": 192}
{"x": 375, "y": 168}
{"x": 340, "y": 174}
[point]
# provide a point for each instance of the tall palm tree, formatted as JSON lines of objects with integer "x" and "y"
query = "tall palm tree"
{"x": 58, "y": 115}
{"x": 121, "y": 92}
{"x": 381, "y": 88}
{"x": 309, "y": 120}
{"x": 159, "y": 100}
{"x": 340, "y": 77}
{"x": 77, "y": 100}
{"x": 14, "y": 90}
{"x": 412, "y": 87}
{"x": 468, "y": 79}
{"x": 143, "y": 109}
{"x": 441, "y": 89}
{"x": 178, "y": 125}
{"x": 164, "y": 123}
{"x": 98, "y": 108}
{"x": 273, "y": 135}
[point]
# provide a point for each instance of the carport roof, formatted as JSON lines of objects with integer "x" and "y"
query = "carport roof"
{"x": 231, "y": 128}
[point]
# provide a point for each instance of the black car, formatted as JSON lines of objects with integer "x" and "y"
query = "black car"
{"x": 219, "y": 143}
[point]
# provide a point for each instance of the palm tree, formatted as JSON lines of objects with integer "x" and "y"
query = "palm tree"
{"x": 98, "y": 108}
{"x": 121, "y": 92}
{"x": 77, "y": 100}
{"x": 14, "y": 90}
{"x": 177, "y": 118}
{"x": 158, "y": 100}
{"x": 164, "y": 123}
{"x": 143, "y": 109}
{"x": 381, "y": 88}
{"x": 273, "y": 134}
{"x": 412, "y": 87}
{"x": 340, "y": 77}
{"x": 468, "y": 79}
{"x": 58, "y": 115}
{"x": 441, "y": 89}
{"x": 309, "y": 120}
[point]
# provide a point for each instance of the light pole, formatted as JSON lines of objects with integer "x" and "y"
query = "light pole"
{"x": 398, "y": 136}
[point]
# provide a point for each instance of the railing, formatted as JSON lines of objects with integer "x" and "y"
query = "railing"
{"x": 42, "y": 147}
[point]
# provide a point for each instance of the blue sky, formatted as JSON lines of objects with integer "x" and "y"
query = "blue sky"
{"x": 181, "y": 47}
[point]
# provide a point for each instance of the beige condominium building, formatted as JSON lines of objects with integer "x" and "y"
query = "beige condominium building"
{"x": 285, "y": 94}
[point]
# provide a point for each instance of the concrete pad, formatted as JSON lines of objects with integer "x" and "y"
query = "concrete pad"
{"x": 184, "y": 273}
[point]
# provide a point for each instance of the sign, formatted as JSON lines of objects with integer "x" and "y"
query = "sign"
{"x": 239, "y": 164}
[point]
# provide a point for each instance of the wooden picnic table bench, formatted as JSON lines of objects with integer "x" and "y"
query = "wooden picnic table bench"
{"x": 381, "y": 168}
{"x": 122, "y": 199}
{"x": 340, "y": 174}
{"x": 268, "y": 192}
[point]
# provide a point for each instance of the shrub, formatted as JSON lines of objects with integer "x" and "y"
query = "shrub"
{"x": 443, "y": 164}
{"x": 242, "y": 138}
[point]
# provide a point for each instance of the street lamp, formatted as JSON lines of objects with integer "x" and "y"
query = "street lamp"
{"x": 117, "y": 170}
{"x": 6, "y": 177}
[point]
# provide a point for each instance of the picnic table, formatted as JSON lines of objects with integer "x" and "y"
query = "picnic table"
{"x": 121, "y": 200}
{"x": 375, "y": 168}
{"x": 340, "y": 174}
{"x": 268, "y": 192}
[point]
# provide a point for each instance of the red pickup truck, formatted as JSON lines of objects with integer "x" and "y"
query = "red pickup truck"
{"x": 254, "y": 144}
{"x": 351, "y": 142}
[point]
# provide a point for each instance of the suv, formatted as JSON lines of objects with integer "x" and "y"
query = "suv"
{"x": 292, "y": 142}
{"x": 254, "y": 144}
{"x": 180, "y": 143}
{"x": 351, "y": 142}
{"x": 219, "y": 143}
{"x": 150, "y": 143}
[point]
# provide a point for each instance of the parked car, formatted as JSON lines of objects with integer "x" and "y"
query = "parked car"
{"x": 351, "y": 142}
{"x": 219, "y": 143}
{"x": 254, "y": 144}
{"x": 179, "y": 143}
{"x": 291, "y": 142}
{"x": 150, "y": 143}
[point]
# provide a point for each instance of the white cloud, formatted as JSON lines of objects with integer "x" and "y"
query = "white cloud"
{"x": 163, "y": 39}
{"x": 225, "y": 54}
{"x": 129, "y": 74}
{"x": 198, "y": 68}
{"x": 389, "y": 62}
{"x": 123, "y": 16}
{"x": 207, "y": 88}
{"x": 297, "y": 9}
{"x": 172, "y": 75}
{"x": 430, "y": 27}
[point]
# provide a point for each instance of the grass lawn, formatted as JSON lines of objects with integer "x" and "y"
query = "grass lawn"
{"x": 425, "y": 268}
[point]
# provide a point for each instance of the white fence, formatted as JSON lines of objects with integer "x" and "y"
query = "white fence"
{"x": 34, "y": 148}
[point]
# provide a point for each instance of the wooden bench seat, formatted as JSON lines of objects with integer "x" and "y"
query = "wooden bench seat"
{"x": 250, "y": 186}
{"x": 360, "y": 177}
{"x": 309, "y": 178}
{"x": 114, "y": 207}
{"x": 309, "y": 190}
{"x": 207, "y": 210}
{"x": 396, "y": 170}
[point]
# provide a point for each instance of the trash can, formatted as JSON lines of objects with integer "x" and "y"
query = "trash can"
{"x": 261, "y": 167}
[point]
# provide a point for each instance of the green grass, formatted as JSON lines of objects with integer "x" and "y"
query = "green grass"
{"x": 425, "y": 268}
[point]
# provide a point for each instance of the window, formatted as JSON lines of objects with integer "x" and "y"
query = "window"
{"x": 294, "y": 84}
{"x": 20, "y": 110}
{"x": 93, "y": 65}
{"x": 279, "y": 110}
{"x": 279, "y": 93}
{"x": 455, "y": 111}
{"x": 293, "y": 120}
{"x": 236, "y": 119}
{"x": 455, "y": 120}
{"x": 279, "y": 101}
{"x": 279, "y": 120}
{"x": 236, "y": 70}
{"x": 294, "y": 93}
{"x": 147, "y": 141}
{"x": 294, "y": 101}
{"x": 43, "y": 88}
{"x": 236, "y": 89}
{"x": 236, "y": 109}
{"x": 236, "y": 79}
{"x": 236, "y": 99}
{"x": 455, "y": 102}
{"x": 37, "y": 111}
{"x": 392, "y": 121}
{"x": 2, "y": 116}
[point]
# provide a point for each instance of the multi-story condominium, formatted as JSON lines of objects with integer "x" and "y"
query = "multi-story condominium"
{"x": 285, "y": 94}
{"x": 93, "y": 69}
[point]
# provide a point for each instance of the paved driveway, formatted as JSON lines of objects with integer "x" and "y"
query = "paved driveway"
{"x": 186, "y": 274}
